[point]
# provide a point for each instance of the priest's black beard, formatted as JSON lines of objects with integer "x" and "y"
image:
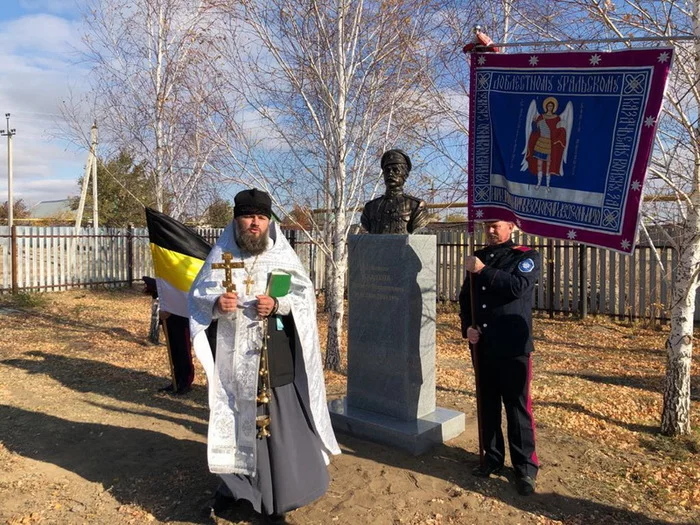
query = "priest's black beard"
{"x": 251, "y": 244}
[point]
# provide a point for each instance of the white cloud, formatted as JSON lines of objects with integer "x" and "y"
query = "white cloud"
{"x": 38, "y": 56}
{"x": 40, "y": 33}
{"x": 41, "y": 170}
{"x": 48, "y": 190}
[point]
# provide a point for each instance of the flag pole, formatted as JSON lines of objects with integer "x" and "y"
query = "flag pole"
{"x": 474, "y": 347}
{"x": 475, "y": 354}
{"x": 583, "y": 41}
{"x": 481, "y": 44}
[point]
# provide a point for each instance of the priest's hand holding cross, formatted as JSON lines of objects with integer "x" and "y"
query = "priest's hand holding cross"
{"x": 228, "y": 301}
{"x": 265, "y": 306}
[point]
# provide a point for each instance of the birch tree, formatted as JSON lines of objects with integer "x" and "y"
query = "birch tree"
{"x": 675, "y": 167}
{"x": 445, "y": 134}
{"x": 155, "y": 83}
{"x": 329, "y": 85}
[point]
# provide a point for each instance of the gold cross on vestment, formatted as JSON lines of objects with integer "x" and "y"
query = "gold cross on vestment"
{"x": 227, "y": 265}
{"x": 248, "y": 283}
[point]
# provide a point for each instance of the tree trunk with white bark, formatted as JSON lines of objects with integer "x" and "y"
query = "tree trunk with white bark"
{"x": 675, "y": 417}
{"x": 674, "y": 171}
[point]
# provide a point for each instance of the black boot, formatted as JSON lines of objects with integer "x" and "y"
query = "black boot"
{"x": 275, "y": 519}
{"x": 219, "y": 504}
{"x": 487, "y": 470}
{"x": 525, "y": 485}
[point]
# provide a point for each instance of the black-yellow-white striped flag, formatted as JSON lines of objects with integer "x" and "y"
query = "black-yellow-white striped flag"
{"x": 178, "y": 254}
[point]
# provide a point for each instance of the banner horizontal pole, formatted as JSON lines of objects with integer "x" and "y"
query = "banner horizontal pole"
{"x": 598, "y": 41}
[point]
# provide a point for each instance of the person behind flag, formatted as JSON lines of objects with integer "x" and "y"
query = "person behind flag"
{"x": 177, "y": 339}
{"x": 178, "y": 253}
{"x": 504, "y": 276}
{"x": 287, "y": 469}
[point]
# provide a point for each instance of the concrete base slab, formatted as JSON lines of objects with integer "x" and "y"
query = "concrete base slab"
{"x": 416, "y": 436}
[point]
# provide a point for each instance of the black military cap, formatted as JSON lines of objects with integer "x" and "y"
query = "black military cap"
{"x": 395, "y": 156}
{"x": 252, "y": 202}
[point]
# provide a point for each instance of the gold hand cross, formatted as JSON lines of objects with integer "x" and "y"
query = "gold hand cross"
{"x": 227, "y": 265}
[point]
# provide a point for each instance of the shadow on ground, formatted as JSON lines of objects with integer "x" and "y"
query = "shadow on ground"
{"x": 650, "y": 383}
{"x": 68, "y": 323}
{"x": 575, "y": 407}
{"x": 552, "y": 505}
{"x": 138, "y": 467}
{"x": 121, "y": 384}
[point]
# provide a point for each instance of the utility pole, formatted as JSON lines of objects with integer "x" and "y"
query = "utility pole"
{"x": 93, "y": 148}
{"x": 9, "y": 133}
{"x": 90, "y": 169}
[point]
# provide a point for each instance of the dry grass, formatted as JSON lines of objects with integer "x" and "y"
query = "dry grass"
{"x": 597, "y": 393}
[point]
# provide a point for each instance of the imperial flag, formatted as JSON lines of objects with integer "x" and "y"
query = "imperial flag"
{"x": 178, "y": 254}
{"x": 560, "y": 142}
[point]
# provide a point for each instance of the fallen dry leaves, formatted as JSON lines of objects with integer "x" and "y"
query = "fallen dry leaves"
{"x": 602, "y": 381}
{"x": 597, "y": 381}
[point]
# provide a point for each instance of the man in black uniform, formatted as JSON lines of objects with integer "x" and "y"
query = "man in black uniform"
{"x": 395, "y": 211}
{"x": 504, "y": 276}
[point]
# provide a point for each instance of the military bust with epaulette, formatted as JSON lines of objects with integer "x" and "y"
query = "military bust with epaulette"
{"x": 394, "y": 212}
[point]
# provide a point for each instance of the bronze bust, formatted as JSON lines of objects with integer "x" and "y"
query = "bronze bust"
{"x": 394, "y": 212}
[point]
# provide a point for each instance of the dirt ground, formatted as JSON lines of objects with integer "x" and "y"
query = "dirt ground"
{"x": 85, "y": 436}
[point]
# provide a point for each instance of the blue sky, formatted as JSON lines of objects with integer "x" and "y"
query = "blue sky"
{"x": 38, "y": 42}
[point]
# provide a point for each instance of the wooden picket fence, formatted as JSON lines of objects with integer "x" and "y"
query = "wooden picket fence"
{"x": 60, "y": 258}
{"x": 575, "y": 279}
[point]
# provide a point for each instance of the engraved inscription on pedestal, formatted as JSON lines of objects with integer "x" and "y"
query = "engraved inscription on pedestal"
{"x": 391, "y": 325}
{"x": 391, "y": 344}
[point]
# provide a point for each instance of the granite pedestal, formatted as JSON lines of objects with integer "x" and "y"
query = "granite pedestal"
{"x": 391, "y": 345}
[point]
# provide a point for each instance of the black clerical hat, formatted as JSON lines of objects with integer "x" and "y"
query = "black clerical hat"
{"x": 395, "y": 156}
{"x": 252, "y": 202}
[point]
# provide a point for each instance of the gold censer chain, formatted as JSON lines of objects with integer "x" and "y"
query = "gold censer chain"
{"x": 262, "y": 422}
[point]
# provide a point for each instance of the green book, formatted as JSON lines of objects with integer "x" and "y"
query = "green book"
{"x": 278, "y": 284}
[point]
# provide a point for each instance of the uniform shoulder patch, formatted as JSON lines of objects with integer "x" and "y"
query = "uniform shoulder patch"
{"x": 526, "y": 265}
{"x": 522, "y": 248}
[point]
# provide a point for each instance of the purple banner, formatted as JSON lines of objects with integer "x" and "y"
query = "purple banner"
{"x": 560, "y": 142}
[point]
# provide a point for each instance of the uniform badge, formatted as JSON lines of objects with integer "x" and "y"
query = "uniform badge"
{"x": 526, "y": 265}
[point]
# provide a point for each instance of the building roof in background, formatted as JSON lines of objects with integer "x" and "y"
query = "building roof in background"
{"x": 53, "y": 209}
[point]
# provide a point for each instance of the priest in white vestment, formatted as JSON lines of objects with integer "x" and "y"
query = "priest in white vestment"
{"x": 286, "y": 469}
